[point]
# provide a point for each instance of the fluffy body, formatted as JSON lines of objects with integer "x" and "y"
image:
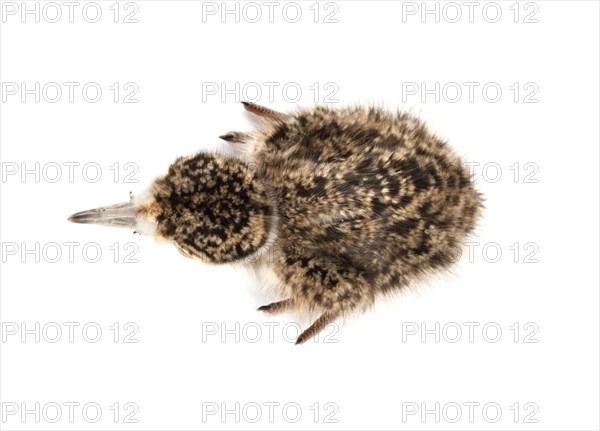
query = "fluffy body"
{"x": 342, "y": 205}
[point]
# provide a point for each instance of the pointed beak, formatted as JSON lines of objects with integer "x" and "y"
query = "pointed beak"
{"x": 118, "y": 215}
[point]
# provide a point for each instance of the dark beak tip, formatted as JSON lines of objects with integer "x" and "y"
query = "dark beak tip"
{"x": 74, "y": 218}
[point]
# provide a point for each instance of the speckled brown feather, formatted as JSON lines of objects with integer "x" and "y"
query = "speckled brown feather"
{"x": 367, "y": 202}
{"x": 357, "y": 201}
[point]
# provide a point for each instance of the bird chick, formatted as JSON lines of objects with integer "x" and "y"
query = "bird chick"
{"x": 340, "y": 205}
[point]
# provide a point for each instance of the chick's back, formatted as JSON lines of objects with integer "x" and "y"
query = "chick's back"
{"x": 368, "y": 190}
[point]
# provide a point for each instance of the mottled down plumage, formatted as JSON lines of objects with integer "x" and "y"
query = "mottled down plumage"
{"x": 342, "y": 205}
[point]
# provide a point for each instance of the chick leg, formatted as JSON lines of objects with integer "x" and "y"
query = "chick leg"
{"x": 278, "y": 307}
{"x": 317, "y": 326}
{"x": 266, "y": 113}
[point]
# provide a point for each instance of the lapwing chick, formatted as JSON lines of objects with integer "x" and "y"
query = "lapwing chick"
{"x": 338, "y": 206}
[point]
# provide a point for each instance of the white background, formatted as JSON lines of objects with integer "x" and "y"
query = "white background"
{"x": 373, "y": 370}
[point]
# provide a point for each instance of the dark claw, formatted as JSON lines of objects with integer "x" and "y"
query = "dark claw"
{"x": 277, "y": 307}
{"x": 237, "y": 137}
{"x": 227, "y": 137}
{"x": 301, "y": 339}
